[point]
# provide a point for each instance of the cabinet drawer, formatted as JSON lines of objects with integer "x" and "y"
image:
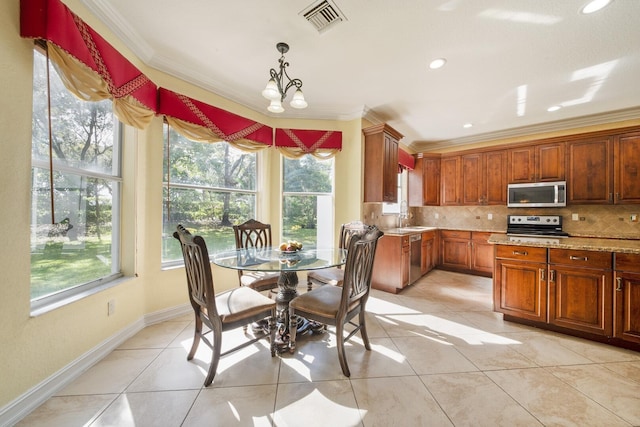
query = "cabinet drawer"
{"x": 522, "y": 253}
{"x": 576, "y": 258}
{"x": 455, "y": 234}
{"x": 627, "y": 262}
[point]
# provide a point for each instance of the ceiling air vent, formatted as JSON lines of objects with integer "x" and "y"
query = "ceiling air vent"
{"x": 323, "y": 15}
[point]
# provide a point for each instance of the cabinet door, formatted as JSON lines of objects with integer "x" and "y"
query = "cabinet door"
{"x": 495, "y": 177}
{"x": 627, "y": 168}
{"x": 581, "y": 299}
{"x": 405, "y": 263}
{"x": 450, "y": 181}
{"x": 521, "y": 163}
{"x": 590, "y": 172}
{"x": 455, "y": 253}
{"x": 520, "y": 289}
{"x": 431, "y": 181}
{"x": 472, "y": 179}
{"x": 550, "y": 162}
{"x": 390, "y": 170}
{"x": 627, "y": 306}
{"x": 481, "y": 253}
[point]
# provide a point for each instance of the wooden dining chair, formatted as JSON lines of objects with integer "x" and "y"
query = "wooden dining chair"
{"x": 335, "y": 275}
{"x": 254, "y": 234}
{"x": 337, "y": 306}
{"x": 224, "y": 311}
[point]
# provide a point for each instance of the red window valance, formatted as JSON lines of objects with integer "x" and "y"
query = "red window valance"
{"x": 218, "y": 124}
{"x": 76, "y": 42}
{"x": 406, "y": 160}
{"x": 308, "y": 140}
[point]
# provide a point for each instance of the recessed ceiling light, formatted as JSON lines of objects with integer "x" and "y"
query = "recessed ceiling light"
{"x": 437, "y": 63}
{"x": 554, "y": 108}
{"x": 594, "y": 6}
{"x": 467, "y": 125}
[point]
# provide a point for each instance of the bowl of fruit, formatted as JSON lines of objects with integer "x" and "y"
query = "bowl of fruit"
{"x": 290, "y": 247}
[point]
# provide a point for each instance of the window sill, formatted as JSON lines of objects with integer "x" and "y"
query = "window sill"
{"x": 55, "y": 304}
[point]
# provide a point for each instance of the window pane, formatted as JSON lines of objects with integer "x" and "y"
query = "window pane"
{"x": 77, "y": 244}
{"x": 307, "y": 203}
{"x": 209, "y": 164}
{"x": 308, "y": 174}
{"x": 208, "y": 213}
{"x": 82, "y": 132}
{"x": 78, "y": 248}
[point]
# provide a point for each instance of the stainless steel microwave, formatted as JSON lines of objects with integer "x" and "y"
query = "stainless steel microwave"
{"x": 537, "y": 195}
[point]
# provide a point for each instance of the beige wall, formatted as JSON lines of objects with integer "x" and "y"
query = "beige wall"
{"x": 33, "y": 349}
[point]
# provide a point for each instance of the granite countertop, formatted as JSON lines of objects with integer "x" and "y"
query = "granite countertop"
{"x": 580, "y": 243}
{"x": 403, "y": 231}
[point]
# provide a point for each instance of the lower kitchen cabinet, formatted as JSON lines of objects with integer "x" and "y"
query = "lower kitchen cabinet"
{"x": 392, "y": 263}
{"x": 429, "y": 252}
{"x": 519, "y": 282}
{"x": 466, "y": 252}
{"x": 581, "y": 291}
{"x": 627, "y": 297}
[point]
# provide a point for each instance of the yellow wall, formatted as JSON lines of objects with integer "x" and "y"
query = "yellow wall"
{"x": 32, "y": 349}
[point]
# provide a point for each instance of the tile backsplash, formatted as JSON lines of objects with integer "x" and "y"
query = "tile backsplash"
{"x": 593, "y": 221}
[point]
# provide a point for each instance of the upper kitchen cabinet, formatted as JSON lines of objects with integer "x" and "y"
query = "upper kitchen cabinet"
{"x": 537, "y": 163}
{"x": 424, "y": 181}
{"x": 381, "y": 163}
{"x": 450, "y": 180}
{"x": 626, "y": 167}
{"x": 484, "y": 179}
{"x": 590, "y": 166}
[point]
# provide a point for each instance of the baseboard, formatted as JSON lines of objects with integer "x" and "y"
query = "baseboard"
{"x": 20, "y": 407}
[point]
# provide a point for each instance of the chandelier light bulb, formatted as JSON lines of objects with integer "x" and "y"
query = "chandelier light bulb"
{"x": 275, "y": 106}
{"x": 271, "y": 91}
{"x": 298, "y": 100}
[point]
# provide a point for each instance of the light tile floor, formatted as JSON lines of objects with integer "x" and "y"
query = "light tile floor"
{"x": 440, "y": 357}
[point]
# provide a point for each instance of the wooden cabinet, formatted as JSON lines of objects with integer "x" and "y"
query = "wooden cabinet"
{"x": 472, "y": 179}
{"x": 391, "y": 264}
{"x": 537, "y": 163}
{"x": 590, "y": 165}
{"x": 455, "y": 249}
{"x": 424, "y": 181}
{"x": 626, "y": 157}
{"x": 481, "y": 253}
{"x": 626, "y": 300}
{"x": 495, "y": 177}
{"x": 381, "y": 163}
{"x": 429, "y": 252}
{"x": 450, "y": 168}
{"x": 580, "y": 290}
{"x": 520, "y": 283}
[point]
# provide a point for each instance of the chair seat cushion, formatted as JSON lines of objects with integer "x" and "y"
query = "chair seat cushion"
{"x": 331, "y": 276}
{"x": 240, "y": 302}
{"x": 259, "y": 278}
{"x": 323, "y": 301}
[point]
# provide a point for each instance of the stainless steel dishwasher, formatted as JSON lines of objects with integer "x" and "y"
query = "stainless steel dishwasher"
{"x": 415, "y": 269}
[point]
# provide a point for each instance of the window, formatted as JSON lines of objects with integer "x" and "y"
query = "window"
{"x": 307, "y": 205}
{"x": 208, "y": 187}
{"x": 75, "y": 236}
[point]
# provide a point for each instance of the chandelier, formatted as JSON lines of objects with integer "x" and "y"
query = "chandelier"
{"x": 276, "y": 89}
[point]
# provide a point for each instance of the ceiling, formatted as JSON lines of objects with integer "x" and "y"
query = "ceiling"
{"x": 508, "y": 61}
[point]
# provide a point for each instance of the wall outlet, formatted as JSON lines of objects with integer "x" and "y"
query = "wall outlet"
{"x": 437, "y": 215}
{"x": 634, "y": 218}
{"x": 489, "y": 217}
{"x": 111, "y": 307}
{"x": 575, "y": 217}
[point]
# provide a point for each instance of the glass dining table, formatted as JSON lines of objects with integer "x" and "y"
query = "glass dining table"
{"x": 287, "y": 264}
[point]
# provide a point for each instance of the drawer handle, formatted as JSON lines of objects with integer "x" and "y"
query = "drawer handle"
{"x": 619, "y": 281}
{"x": 578, "y": 258}
{"x": 552, "y": 275}
{"x": 525, "y": 253}
{"x": 542, "y": 274}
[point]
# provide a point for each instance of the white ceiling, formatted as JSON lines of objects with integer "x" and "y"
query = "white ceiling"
{"x": 507, "y": 60}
